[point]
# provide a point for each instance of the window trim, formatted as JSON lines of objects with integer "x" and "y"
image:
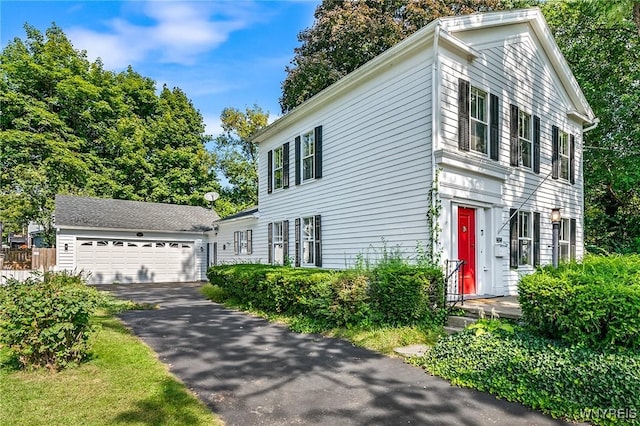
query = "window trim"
{"x": 562, "y": 157}
{"x": 311, "y": 134}
{"x": 278, "y": 167}
{"x": 529, "y": 238}
{"x": 308, "y": 240}
{"x": 476, "y": 120}
{"x": 277, "y": 239}
{"x": 525, "y": 139}
{"x": 565, "y": 232}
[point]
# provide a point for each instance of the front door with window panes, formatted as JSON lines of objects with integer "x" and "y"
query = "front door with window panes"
{"x": 479, "y": 120}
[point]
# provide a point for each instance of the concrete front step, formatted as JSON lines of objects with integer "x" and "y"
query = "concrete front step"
{"x": 460, "y": 322}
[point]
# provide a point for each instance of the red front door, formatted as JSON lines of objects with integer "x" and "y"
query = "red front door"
{"x": 467, "y": 247}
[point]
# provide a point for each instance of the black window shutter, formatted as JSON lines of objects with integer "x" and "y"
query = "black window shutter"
{"x": 463, "y": 114}
{"x": 513, "y": 237}
{"x": 555, "y": 152}
{"x": 249, "y": 241}
{"x": 536, "y": 144}
{"x": 318, "y": 151}
{"x": 318, "y": 238}
{"x": 536, "y": 239}
{"x": 297, "y": 160}
{"x": 285, "y": 242}
{"x": 270, "y": 242}
{"x": 572, "y": 239}
{"x": 270, "y": 172}
{"x": 285, "y": 165}
{"x": 297, "y": 242}
{"x": 494, "y": 148}
{"x": 236, "y": 242}
{"x": 572, "y": 159}
{"x": 514, "y": 140}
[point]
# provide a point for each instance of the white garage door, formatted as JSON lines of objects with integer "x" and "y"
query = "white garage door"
{"x": 136, "y": 261}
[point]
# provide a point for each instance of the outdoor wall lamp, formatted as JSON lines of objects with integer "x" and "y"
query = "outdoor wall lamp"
{"x": 555, "y": 242}
{"x": 216, "y": 228}
{"x": 66, "y": 247}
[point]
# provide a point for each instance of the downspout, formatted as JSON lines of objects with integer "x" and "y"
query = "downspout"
{"x": 596, "y": 121}
{"x": 435, "y": 128}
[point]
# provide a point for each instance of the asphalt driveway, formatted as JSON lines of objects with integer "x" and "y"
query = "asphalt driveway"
{"x": 252, "y": 372}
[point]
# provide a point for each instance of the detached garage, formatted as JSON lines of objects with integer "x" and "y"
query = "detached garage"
{"x": 119, "y": 241}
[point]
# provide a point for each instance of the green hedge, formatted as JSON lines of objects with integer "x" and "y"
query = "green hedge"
{"x": 45, "y": 322}
{"x": 596, "y": 303}
{"x": 574, "y": 382}
{"x": 394, "y": 295}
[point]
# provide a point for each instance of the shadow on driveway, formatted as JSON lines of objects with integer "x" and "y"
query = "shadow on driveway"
{"x": 252, "y": 372}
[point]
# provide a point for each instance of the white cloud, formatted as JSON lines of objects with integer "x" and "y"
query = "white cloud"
{"x": 177, "y": 32}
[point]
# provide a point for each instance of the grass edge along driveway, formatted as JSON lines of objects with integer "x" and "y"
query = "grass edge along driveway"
{"x": 122, "y": 383}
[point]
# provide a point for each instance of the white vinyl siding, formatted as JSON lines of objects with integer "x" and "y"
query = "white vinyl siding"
{"x": 519, "y": 72}
{"x": 376, "y": 159}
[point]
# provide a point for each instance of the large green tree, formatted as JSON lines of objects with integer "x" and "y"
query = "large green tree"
{"x": 348, "y": 33}
{"x": 238, "y": 155}
{"x": 70, "y": 126}
{"x": 603, "y": 50}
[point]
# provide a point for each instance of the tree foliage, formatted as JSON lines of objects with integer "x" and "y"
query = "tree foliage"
{"x": 603, "y": 50}
{"x": 70, "y": 126}
{"x": 238, "y": 155}
{"x": 348, "y": 33}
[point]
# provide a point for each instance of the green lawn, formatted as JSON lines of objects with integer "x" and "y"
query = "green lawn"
{"x": 122, "y": 383}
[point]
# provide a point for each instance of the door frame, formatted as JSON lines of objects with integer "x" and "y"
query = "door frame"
{"x": 473, "y": 250}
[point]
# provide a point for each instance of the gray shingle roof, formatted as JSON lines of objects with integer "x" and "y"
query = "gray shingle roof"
{"x": 122, "y": 214}
{"x": 242, "y": 213}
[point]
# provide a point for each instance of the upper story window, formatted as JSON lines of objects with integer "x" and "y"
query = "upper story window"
{"x": 524, "y": 136}
{"x": 478, "y": 120}
{"x": 278, "y": 170}
{"x": 479, "y": 124}
{"x": 563, "y": 154}
{"x": 308, "y": 156}
{"x": 526, "y": 139}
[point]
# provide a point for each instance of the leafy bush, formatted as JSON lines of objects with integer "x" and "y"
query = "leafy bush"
{"x": 575, "y": 382}
{"x": 45, "y": 323}
{"x": 396, "y": 295}
{"x": 214, "y": 293}
{"x": 596, "y": 303}
{"x": 404, "y": 294}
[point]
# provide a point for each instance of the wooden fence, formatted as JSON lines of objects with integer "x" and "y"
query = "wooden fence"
{"x": 29, "y": 259}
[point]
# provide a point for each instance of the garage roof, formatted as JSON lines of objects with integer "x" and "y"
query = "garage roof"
{"x": 89, "y": 212}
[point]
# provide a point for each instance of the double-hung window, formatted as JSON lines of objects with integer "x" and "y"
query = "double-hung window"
{"x": 308, "y": 156}
{"x": 278, "y": 243}
{"x": 525, "y": 242}
{"x": 308, "y": 241}
{"x": 479, "y": 120}
{"x": 525, "y": 139}
{"x": 278, "y": 168}
{"x": 565, "y": 239}
{"x": 563, "y": 154}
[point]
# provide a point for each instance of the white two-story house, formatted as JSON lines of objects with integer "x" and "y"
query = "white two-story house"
{"x": 462, "y": 138}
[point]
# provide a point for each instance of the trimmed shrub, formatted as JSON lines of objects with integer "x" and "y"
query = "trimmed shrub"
{"x": 596, "y": 303}
{"x": 574, "y": 382}
{"x": 45, "y": 323}
{"x": 402, "y": 294}
{"x": 397, "y": 294}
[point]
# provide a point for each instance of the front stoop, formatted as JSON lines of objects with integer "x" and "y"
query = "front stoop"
{"x": 457, "y": 323}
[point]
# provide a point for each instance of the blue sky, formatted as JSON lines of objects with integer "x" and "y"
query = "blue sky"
{"x": 222, "y": 53}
